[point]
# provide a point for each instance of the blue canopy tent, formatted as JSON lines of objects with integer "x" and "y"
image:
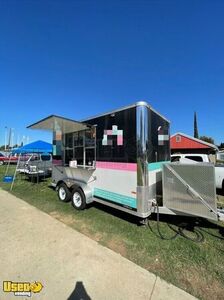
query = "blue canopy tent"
{"x": 35, "y": 147}
{"x": 32, "y": 148}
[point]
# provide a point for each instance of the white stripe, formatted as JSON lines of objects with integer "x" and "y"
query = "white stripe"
{"x": 163, "y": 137}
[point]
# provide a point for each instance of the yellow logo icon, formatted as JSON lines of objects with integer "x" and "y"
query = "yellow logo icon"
{"x": 36, "y": 287}
{"x": 22, "y": 288}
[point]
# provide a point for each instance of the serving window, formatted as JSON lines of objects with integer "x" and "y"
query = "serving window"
{"x": 80, "y": 147}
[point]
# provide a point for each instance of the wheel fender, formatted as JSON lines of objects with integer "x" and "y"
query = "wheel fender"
{"x": 58, "y": 183}
{"x": 69, "y": 183}
{"x": 86, "y": 190}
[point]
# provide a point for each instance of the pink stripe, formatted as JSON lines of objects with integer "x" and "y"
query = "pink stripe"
{"x": 116, "y": 166}
{"x": 120, "y": 140}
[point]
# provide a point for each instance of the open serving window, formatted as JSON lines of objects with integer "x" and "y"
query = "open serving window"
{"x": 80, "y": 146}
{"x": 77, "y": 139}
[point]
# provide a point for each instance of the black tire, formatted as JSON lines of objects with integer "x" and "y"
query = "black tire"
{"x": 1, "y": 163}
{"x": 64, "y": 194}
{"x": 78, "y": 199}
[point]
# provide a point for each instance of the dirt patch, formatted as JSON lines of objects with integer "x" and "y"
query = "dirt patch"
{"x": 117, "y": 245}
{"x": 87, "y": 231}
{"x": 67, "y": 219}
{"x": 97, "y": 237}
{"x": 55, "y": 214}
{"x": 156, "y": 266}
{"x": 205, "y": 287}
{"x": 70, "y": 220}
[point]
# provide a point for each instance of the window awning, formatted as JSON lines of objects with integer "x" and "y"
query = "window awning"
{"x": 57, "y": 123}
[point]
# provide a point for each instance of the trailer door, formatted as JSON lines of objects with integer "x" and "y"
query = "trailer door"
{"x": 190, "y": 189}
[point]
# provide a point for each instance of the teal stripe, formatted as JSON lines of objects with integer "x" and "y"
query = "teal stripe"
{"x": 118, "y": 198}
{"x": 156, "y": 165}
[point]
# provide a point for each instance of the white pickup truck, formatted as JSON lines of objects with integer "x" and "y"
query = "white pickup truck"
{"x": 199, "y": 158}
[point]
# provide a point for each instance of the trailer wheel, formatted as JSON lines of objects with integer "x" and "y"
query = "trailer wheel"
{"x": 78, "y": 199}
{"x": 64, "y": 194}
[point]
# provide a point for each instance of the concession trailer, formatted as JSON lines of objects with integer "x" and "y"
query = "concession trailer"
{"x": 122, "y": 159}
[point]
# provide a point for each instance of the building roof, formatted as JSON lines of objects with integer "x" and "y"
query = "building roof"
{"x": 190, "y": 142}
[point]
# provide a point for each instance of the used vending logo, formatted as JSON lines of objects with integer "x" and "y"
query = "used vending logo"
{"x": 22, "y": 288}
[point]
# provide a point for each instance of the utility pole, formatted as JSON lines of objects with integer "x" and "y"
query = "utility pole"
{"x": 9, "y": 140}
{"x": 6, "y": 132}
{"x": 17, "y": 141}
{"x": 12, "y": 141}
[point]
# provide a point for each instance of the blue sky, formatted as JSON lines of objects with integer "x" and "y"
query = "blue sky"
{"x": 80, "y": 58}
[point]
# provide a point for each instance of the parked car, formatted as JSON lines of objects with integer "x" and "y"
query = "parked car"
{"x": 7, "y": 159}
{"x": 202, "y": 158}
{"x": 36, "y": 164}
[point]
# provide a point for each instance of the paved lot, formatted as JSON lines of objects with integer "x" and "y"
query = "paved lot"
{"x": 36, "y": 247}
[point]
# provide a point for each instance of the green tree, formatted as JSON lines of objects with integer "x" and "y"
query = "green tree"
{"x": 207, "y": 139}
{"x": 195, "y": 126}
{"x": 221, "y": 146}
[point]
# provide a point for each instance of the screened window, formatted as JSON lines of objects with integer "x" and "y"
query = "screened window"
{"x": 79, "y": 138}
{"x": 69, "y": 140}
{"x": 90, "y": 156}
{"x": 79, "y": 155}
{"x": 90, "y": 137}
{"x": 80, "y": 146}
{"x": 68, "y": 156}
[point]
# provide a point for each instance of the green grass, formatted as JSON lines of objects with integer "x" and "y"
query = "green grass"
{"x": 197, "y": 268}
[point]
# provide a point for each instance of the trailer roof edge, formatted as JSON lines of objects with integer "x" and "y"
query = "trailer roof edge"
{"x": 108, "y": 112}
{"x": 160, "y": 115}
{"x": 54, "y": 122}
{"x": 51, "y": 116}
{"x": 138, "y": 103}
